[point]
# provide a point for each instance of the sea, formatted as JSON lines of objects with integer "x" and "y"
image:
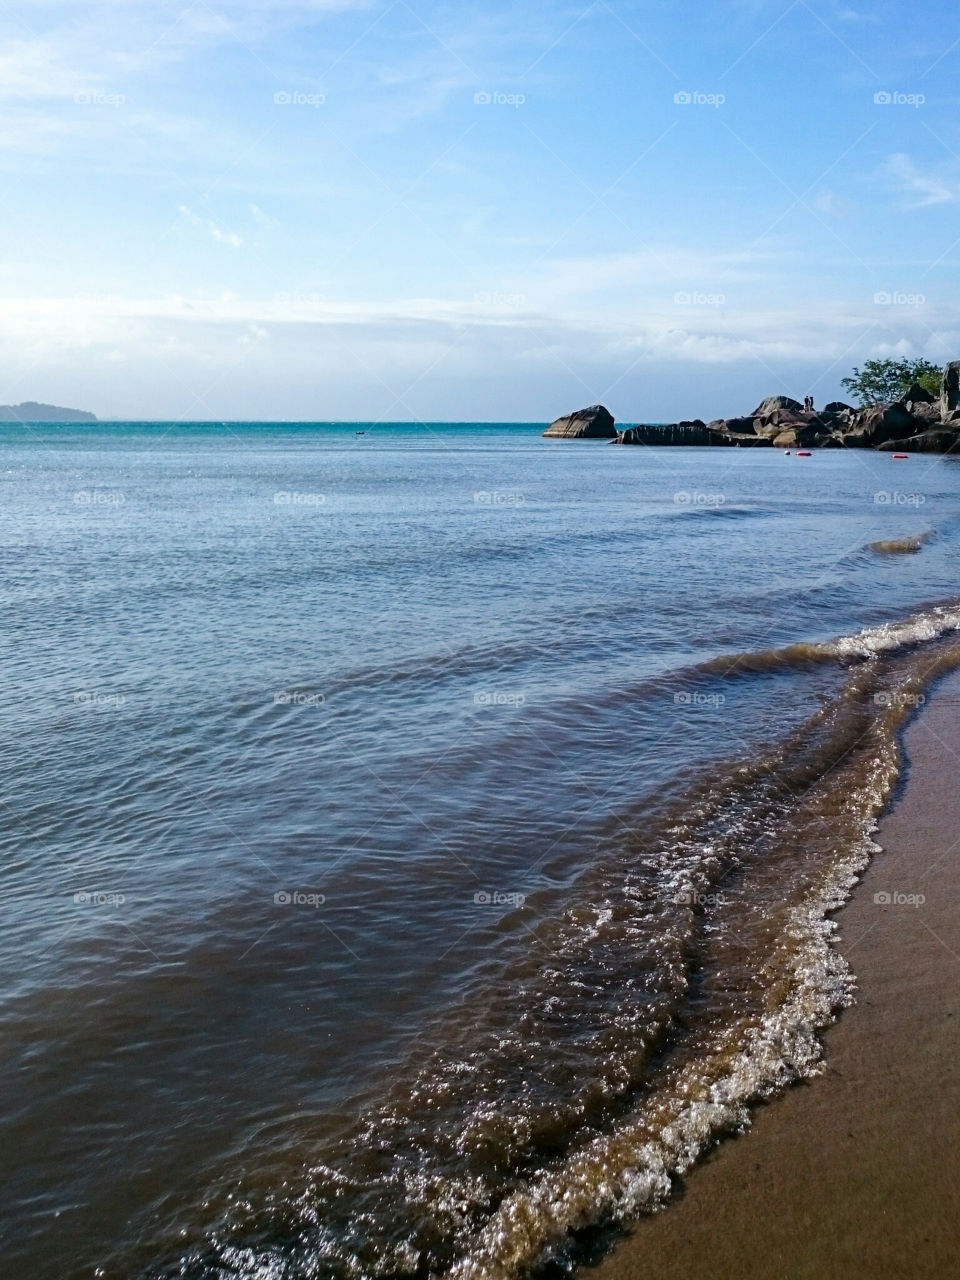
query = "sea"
{"x": 421, "y": 842}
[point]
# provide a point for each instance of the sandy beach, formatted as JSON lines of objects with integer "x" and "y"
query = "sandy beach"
{"x": 856, "y": 1174}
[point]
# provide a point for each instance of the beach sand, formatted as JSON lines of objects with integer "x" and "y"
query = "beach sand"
{"x": 855, "y": 1174}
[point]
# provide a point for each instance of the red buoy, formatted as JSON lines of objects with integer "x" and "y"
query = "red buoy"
{"x": 803, "y": 453}
{"x": 898, "y": 455}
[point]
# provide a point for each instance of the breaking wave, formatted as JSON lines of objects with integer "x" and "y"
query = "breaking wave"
{"x": 688, "y": 978}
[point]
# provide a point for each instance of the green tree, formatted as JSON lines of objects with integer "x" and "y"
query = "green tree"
{"x": 883, "y": 380}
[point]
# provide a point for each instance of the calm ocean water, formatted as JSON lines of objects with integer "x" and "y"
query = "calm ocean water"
{"x": 418, "y": 844}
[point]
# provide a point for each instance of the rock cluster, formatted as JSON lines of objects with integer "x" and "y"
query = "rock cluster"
{"x": 916, "y": 423}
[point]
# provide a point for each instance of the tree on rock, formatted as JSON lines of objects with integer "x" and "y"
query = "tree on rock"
{"x": 883, "y": 381}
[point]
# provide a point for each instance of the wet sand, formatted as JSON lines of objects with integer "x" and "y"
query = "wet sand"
{"x": 857, "y": 1173}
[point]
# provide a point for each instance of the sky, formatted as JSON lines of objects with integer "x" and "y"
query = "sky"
{"x": 400, "y": 210}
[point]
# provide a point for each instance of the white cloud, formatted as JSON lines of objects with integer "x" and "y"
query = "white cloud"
{"x": 220, "y": 234}
{"x": 833, "y": 204}
{"x": 225, "y": 237}
{"x": 263, "y": 219}
{"x": 704, "y": 334}
{"x": 929, "y": 187}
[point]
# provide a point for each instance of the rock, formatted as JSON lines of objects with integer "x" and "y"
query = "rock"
{"x": 781, "y": 420}
{"x": 878, "y": 424}
{"x": 736, "y": 426}
{"x": 928, "y": 412}
{"x": 690, "y": 433}
{"x": 917, "y": 422}
{"x": 773, "y": 403}
{"x": 594, "y": 423}
{"x": 917, "y": 395}
{"x": 939, "y": 440}
{"x": 950, "y": 389}
{"x": 786, "y": 440}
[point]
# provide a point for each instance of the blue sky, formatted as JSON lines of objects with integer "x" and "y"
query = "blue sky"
{"x": 408, "y": 210}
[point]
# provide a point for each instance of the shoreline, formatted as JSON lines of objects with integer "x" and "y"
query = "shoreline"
{"x": 854, "y": 1175}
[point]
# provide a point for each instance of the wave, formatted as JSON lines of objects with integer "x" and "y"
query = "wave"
{"x": 688, "y": 978}
{"x": 888, "y": 637}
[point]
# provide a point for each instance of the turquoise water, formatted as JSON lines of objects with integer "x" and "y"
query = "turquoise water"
{"x": 324, "y": 755}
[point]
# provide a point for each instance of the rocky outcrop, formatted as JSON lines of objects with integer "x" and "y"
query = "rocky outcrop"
{"x": 772, "y": 403}
{"x": 939, "y": 440}
{"x": 928, "y": 413}
{"x": 917, "y": 395}
{"x": 917, "y": 422}
{"x": 877, "y": 425}
{"x": 696, "y": 432}
{"x": 950, "y": 389}
{"x": 594, "y": 423}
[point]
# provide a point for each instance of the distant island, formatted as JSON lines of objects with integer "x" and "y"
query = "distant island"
{"x": 31, "y": 411}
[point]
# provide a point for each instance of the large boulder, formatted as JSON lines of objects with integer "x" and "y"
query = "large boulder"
{"x": 835, "y": 409}
{"x": 772, "y": 403}
{"x": 788, "y": 439}
{"x": 594, "y": 423}
{"x": 781, "y": 420}
{"x": 938, "y": 440}
{"x": 916, "y": 394}
{"x": 800, "y": 432}
{"x": 878, "y": 424}
{"x": 950, "y": 389}
{"x": 695, "y": 433}
{"x": 928, "y": 412}
{"x": 732, "y": 425}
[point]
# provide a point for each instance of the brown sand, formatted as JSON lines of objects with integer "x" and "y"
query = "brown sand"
{"x": 855, "y": 1175}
